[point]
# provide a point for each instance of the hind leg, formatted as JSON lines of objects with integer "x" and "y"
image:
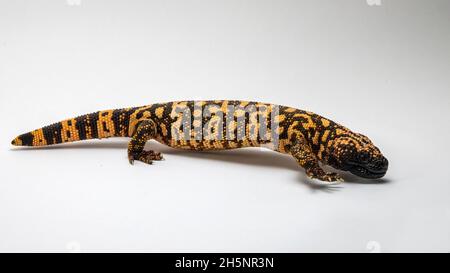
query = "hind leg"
{"x": 145, "y": 131}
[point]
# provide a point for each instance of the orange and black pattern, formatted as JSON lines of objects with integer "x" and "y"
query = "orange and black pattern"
{"x": 98, "y": 125}
{"x": 224, "y": 124}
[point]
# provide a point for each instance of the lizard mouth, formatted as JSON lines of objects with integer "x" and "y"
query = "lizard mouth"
{"x": 370, "y": 171}
{"x": 364, "y": 172}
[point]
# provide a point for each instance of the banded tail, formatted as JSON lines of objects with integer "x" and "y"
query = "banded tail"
{"x": 97, "y": 125}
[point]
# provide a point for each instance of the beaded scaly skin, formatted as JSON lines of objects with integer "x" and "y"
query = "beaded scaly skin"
{"x": 224, "y": 124}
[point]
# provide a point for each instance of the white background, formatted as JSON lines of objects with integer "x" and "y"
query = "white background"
{"x": 380, "y": 70}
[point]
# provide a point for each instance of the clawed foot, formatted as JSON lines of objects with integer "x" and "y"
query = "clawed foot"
{"x": 334, "y": 178}
{"x": 145, "y": 156}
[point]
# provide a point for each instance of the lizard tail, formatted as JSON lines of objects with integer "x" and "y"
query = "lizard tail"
{"x": 97, "y": 125}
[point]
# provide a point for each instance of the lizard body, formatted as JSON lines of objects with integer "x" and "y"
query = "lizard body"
{"x": 224, "y": 124}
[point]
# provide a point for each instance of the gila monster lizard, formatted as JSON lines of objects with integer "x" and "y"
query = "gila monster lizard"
{"x": 224, "y": 124}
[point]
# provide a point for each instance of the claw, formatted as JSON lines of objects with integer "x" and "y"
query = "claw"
{"x": 326, "y": 179}
{"x": 149, "y": 162}
{"x": 145, "y": 156}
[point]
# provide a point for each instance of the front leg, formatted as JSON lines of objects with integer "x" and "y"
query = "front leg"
{"x": 145, "y": 130}
{"x": 305, "y": 157}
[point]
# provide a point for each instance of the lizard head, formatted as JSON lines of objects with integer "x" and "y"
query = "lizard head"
{"x": 357, "y": 154}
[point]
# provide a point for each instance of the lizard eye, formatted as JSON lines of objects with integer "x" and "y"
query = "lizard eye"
{"x": 364, "y": 157}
